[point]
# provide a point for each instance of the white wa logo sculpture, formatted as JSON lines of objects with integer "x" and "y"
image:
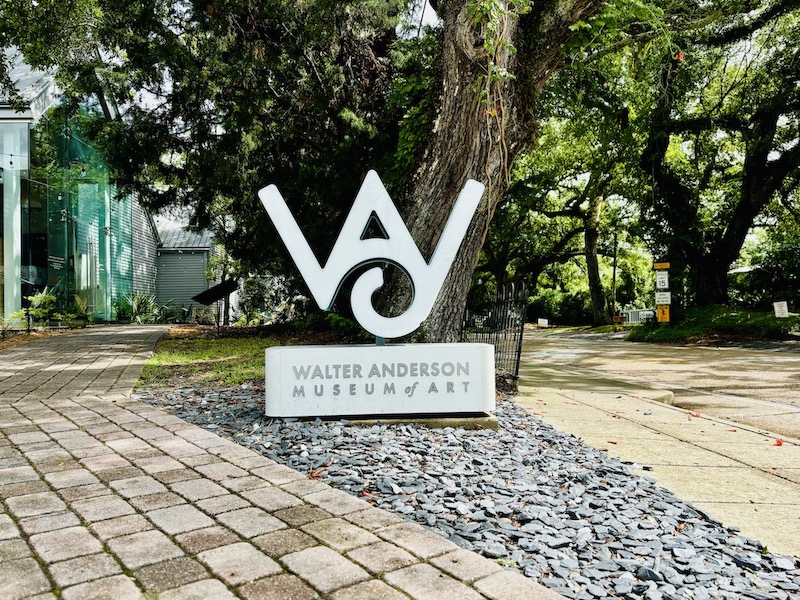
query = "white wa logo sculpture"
{"x": 352, "y": 251}
{"x": 317, "y": 381}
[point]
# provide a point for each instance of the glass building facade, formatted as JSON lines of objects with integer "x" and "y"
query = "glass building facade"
{"x": 64, "y": 230}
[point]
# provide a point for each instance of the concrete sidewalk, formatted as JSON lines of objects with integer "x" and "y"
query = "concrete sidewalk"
{"x": 739, "y": 475}
{"x": 106, "y": 497}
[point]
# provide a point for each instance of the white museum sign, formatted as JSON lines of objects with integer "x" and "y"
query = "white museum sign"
{"x": 424, "y": 379}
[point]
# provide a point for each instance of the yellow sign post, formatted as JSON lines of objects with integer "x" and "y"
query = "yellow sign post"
{"x": 663, "y": 297}
{"x": 662, "y": 313}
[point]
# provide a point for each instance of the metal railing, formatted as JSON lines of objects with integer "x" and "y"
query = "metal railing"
{"x": 501, "y": 324}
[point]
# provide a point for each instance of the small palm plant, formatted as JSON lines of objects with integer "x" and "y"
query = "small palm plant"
{"x": 143, "y": 305}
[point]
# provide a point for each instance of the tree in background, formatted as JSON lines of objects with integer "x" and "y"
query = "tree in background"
{"x": 496, "y": 59}
{"x": 570, "y": 204}
{"x": 573, "y": 195}
{"x": 202, "y": 103}
{"x": 206, "y": 102}
{"x": 219, "y": 99}
{"x": 769, "y": 267}
{"x": 688, "y": 112}
{"x": 721, "y": 139}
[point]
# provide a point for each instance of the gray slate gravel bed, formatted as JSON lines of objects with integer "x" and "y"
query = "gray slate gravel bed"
{"x": 531, "y": 497}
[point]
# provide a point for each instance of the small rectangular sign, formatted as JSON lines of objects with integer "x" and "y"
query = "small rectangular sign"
{"x": 663, "y": 298}
{"x": 662, "y": 280}
{"x": 781, "y": 309}
{"x": 662, "y": 313}
{"x": 327, "y": 381}
{"x": 56, "y": 263}
{"x": 661, "y": 266}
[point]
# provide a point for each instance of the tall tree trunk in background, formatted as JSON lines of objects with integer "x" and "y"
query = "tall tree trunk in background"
{"x": 473, "y": 139}
{"x": 600, "y": 314}
{"x": 676, "y": 203}
{"x": 708, "y": 258}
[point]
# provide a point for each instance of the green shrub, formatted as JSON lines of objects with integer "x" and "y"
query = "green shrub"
{"x": 42, "y": 306}
{"x": 718, "y": 321}
{"x": 207, "y": 315}
{"x": 8, "y": 325}
{"x": 122, "y": 307}
{"x": 168, "y": 312}
{"x": 80, "y": 306}
{"x": 348, "y": 329}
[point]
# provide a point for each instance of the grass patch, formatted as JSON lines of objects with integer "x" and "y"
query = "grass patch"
{"x": 206, "y": 356}
{"x": 206, "y": 361}
{"x": 718, "y": 324}
{"x": 607, "y": 328}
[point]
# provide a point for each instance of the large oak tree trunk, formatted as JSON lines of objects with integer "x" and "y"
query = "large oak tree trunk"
{"x": 476, "y": 140}
{"x": 706, "y": 259}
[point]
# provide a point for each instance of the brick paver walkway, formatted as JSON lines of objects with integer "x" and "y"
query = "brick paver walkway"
{"x": 106, "y": 497}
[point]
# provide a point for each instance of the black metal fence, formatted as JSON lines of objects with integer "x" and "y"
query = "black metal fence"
{"x": 500, "y": 323}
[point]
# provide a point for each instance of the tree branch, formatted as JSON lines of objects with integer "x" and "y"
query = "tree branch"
{"x": 741, "y": 31}
{"x": 704, "y": 123}
{"x": 780, "y": 169}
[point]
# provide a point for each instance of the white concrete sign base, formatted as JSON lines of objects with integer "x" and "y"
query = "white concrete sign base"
{"x": 424, "y": 379}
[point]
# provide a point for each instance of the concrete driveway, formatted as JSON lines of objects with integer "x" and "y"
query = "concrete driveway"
{"x": 720, "y": 427}
{"x": 754, "y": 386}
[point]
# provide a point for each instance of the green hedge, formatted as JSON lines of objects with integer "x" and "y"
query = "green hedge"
{"x": 718, "y": 321}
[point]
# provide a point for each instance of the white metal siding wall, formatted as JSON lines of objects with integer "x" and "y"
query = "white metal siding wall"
{"x": 181, "y": 275}
{"x": 145, "y": 244}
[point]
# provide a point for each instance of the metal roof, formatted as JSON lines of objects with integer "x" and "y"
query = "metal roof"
{"x": 36, "y": 88}
{"x": 180, "y": 239}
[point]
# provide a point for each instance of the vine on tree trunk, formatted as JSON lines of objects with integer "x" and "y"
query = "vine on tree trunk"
{"x": 493, "y": 17}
